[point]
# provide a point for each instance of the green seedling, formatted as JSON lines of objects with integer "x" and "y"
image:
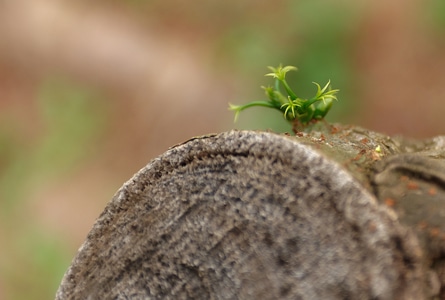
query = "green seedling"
{"x": 293, "y": 108}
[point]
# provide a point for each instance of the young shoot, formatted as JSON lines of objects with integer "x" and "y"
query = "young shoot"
{"x": 293, "y": 108}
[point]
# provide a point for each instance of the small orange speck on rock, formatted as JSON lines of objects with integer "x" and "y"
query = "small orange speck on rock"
{"x": 422, "y": 225}
{"x": 435, "y": 232}
{"x": 390, "y": 202}
{"x": 412, "y": 185}
{"x": 375, "y": 156}
{"x": 432, "y": 191}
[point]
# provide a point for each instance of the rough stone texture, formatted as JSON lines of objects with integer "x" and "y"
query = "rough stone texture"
{"x": 248, "y": 215}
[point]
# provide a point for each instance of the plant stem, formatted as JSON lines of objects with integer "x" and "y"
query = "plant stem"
{"x": 288, "y": 90}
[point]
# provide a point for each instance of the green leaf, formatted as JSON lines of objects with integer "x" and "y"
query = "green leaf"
{"x": 239, "y": 108}
{"x": 280, "y": 72}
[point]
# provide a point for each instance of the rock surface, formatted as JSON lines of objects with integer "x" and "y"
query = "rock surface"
{"x": 257, "y": 215}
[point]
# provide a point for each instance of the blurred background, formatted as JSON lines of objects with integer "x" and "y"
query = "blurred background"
{"x": 91, "y": 91}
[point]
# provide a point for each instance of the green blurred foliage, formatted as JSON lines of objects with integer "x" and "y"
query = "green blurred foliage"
{"x": 437, "y": 14}
{"x": 36, "y": 263}
{"x": 73, "y": 117}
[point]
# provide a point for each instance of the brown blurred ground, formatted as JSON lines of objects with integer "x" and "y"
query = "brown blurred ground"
{"x": 402, "y": 69}
{"x": 161, "y": 85}
{"x": 153, "y": 85}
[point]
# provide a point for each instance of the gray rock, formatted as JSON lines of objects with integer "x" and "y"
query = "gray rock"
{"x": 245, "y": 215}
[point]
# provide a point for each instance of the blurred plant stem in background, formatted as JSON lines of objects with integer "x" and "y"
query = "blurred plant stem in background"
{"x": 71, "y": 118}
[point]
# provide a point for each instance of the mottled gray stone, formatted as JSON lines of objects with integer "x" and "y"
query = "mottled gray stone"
{"x": 245, "y": 215}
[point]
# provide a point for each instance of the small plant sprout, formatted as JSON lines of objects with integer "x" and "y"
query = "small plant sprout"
{"x": 295, "y": 109}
